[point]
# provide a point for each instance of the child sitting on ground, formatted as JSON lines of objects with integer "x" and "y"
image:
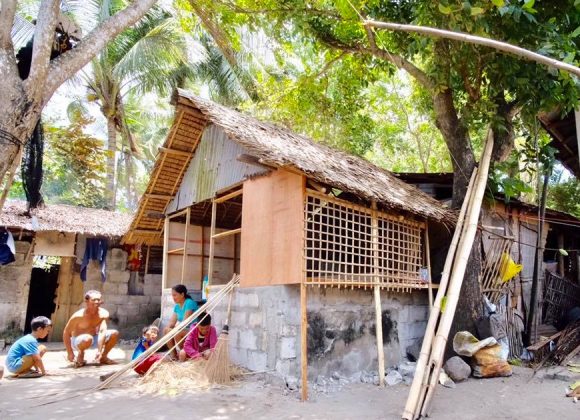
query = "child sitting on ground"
{"x": 26, "y": 354}
{"x": 201, "y": 339}
{"x": 149, "y": 337}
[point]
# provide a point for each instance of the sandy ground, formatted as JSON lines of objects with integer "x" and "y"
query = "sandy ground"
{"x": 262, "y": 397}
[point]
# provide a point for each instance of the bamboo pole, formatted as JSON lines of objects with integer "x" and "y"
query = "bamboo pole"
{"x": 428, "y": 258}
{"x": 456, "y": 280}
{"x": 420, "y": 374}
{"x": 478, "y": 40}
{"x": 185, "y": 239}
{"x": 377, "y": 293}
{"x": 211, "y": 243}
{"x": 211, "y": 303}
{"x": 165, "y": 252}
{"x": 303, "y": 342}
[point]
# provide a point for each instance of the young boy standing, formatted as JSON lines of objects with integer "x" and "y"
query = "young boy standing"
{"x": 25, "y": 353}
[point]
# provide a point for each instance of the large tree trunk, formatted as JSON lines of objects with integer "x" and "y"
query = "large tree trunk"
{"x": 456, "y": 136}
{"x": 130, "y": 181}
{"x": 111, "y": 189}
{"x": 21, "y": 102}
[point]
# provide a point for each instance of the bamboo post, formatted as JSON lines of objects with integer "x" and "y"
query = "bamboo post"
{"x": 165, "y": 252}
{"x": 412, "y": 405}
{"x": 456, "y": 280}
{"x": 185, "y": 243}
{"x": 560, "y": 256}
{"x": 377, "y": 293}
{"x": 147, "y": 259}
{"x": 428, "y": 258}
{"x": 303, "y": 342}
{"x": 211, "y": 242}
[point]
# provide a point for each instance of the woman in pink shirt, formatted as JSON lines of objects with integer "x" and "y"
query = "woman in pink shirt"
{"x": 201, "y": 339}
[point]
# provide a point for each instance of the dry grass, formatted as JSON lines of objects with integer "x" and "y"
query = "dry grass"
{"x": 174, "y": 378}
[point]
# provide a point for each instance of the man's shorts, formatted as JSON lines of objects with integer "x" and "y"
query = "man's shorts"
{"x": 75, "y": 341}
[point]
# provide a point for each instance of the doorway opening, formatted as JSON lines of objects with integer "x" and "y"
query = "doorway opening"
{"x": 43, "y": 285}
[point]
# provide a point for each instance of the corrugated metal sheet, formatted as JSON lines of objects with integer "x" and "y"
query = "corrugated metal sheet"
{"x": 213, "y": 168}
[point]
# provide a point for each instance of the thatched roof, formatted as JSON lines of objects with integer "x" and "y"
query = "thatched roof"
{"x": 273, "y": 146}
{"x": 64, "y": 218}
{"x": 562, "y": 129}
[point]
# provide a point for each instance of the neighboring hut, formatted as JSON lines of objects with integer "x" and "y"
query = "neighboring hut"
{"x": 45, "y": 278}
{"x": 511, "y": 226}
{"x": 287, "y": 213}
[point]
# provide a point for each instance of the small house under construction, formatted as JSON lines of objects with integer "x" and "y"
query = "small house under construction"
{"x": 332, "y": 251}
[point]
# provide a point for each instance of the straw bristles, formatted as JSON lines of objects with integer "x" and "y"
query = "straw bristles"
{"x": 173, "y": 378}
{"x": 218, "y": 369}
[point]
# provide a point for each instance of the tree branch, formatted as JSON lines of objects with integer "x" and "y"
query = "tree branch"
{"x": 477, "y": 40}
{"x": 6, "y": 21}
{"x": 42, "y": 47}
{"x": 70, "y": 62}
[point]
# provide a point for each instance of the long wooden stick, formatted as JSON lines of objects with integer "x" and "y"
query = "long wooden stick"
{"x": 377, "y": 293}
{"x": 456, "y": 279}
{"x": 303, "y": 342}
{"x": 178, "y": 328}
{"x": 420, "y": 374}
{"x": 211, "y": 243}
{"x": 428, "y": 258}
{"x": 478, "y": 40}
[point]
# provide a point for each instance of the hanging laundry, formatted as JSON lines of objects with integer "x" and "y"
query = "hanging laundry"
{"x": 95, "y": 249}
{"x": 7, "y": 248}
{"x": 134, "y": 257}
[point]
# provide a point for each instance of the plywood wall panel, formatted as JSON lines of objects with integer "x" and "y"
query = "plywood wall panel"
{"x": 272, "y": 229}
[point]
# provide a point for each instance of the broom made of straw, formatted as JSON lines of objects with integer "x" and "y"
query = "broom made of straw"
{"x": 217, "y": 369}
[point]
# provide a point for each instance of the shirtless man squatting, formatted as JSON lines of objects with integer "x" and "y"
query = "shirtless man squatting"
{"x": 88, "y": 328}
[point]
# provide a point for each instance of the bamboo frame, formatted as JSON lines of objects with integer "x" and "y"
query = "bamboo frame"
{"x": 490, "y": 280}
{"x": 165, "y": 252}
{"x": 227, "y": 233}
{"x": 339, "y": 248}
{"x": 428, "y": 261}
{"x": 229, "y": 196}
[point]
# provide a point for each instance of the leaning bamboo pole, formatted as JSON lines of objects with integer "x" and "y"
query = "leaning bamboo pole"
{"x": 377, "y": 294}
{"x": 477, "y": 40}
{"x": 180, "y": 327}
{"x": 456, "y": 279}
{"x": 418, "y": 379}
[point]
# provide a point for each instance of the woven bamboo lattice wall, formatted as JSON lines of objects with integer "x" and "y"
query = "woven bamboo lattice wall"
{"x": 490, "y": 277}
{"x": 341, "y": 250}
{"x": 560, "y": 295}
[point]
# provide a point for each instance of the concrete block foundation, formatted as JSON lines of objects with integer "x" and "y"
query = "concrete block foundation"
{"x": 265, "y": 328}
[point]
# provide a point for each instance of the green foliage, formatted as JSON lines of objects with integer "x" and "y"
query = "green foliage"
{"x": 74, "y": 165}
{"x": 565, "y": 197}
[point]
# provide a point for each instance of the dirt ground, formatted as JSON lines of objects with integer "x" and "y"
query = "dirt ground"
{"x": 263, "y": 397}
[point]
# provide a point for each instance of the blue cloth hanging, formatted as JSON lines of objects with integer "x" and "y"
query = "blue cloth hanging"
{"x": 7, "y": 250}
{"x": 96, "y": 249}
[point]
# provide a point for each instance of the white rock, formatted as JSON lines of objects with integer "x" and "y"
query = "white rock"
{"x": 394, "y": 378}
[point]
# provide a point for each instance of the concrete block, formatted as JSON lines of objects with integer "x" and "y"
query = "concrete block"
{"x": 117, "y": 259}
{"x": 286, "y": 367}
{"x": 253, "y": 301}
{"x": 419, "y": 313}
{"x": 289, "y": 330}
{"x": 240, "y": 319}
{"x": 288, "y": 348}
{"x": 255, "y": 319}
{"x": 257, "y": 360}
{"x": 239, "y": 356}
{"x": 110, "y": 288}
{"x": 248, "y": 340}
{"x": 128, "y": 310}
{"x": 114, "y": 300}
{"x": 122, "y": 289}
{"x": 404, "y": 315}
{"x": 417, "y": 329}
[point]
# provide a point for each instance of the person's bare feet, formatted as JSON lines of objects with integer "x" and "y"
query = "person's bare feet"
{"x": 104, "y": 360}
{"x": 80, "y": 360}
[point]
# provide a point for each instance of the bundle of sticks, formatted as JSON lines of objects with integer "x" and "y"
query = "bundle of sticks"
{"x": 439, "y": 324}
{"x": 567, "y": 346}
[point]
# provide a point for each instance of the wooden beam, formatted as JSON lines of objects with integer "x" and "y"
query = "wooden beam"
{"x": 147, "y": 259}
{"x": 159, "y": 196}
{"x": 165, "y": 254}
{"x": 428, "y": 258}
{"x": 146, "y": 232}
{"x": 303, "y": 342}
{"x": 176, "y": 251}
{"x": 227, "y": 233}
{"x": 211, "y": 243}
{"x": 185, "y": 237}
{"x": 377, "y": 293}
{"x": 228, "y": 196}
{"x": 175, "y": 152}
